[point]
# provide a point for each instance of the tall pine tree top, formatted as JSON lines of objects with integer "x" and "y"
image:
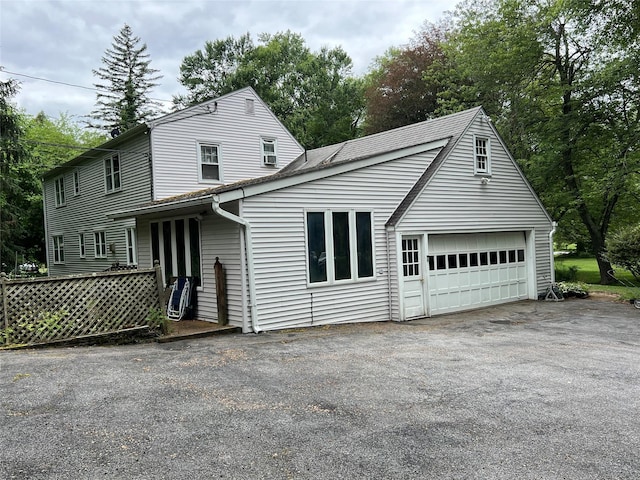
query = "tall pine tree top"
{"x": 125, "y": 80}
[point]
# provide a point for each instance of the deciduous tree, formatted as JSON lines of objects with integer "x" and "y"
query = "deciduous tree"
{"x": 312, "y": 93}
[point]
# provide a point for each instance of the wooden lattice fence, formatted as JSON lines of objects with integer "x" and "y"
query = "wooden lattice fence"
{"x": 57, "y": 308}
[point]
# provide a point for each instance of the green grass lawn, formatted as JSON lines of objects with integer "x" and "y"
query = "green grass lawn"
{"x": 588, "y": 273}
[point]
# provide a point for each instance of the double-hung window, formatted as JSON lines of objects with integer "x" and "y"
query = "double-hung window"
{"x": 100, "y": 244}
{"x": 269, "y": 155}
{"x": 58, "y": 185}
{"x": 130, "y": 238}
{"x": 209, "y": 161}
{"x": 482, "y": 156}
{"x": 58, "y": 249}
{"x": 112, "y": 173}
{"x": 76, "y": 182}
{"x": 339, "y": 246}
{"x": 82, "y": 245}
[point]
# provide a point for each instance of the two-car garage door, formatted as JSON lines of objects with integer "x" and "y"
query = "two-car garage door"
{"x": 469, "y": 270}
{"x": 464, "y": 271}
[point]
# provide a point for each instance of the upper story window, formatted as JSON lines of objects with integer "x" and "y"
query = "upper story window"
{"x": 76, "y": 182}
{"x": 58, "y": 185}
{"x": 339, "y": 246}
{"x": 209, "y": 161}
{"x": 482, "y": 155}
{"x": 112, "y": 173}
{"x": 269, "y": 154}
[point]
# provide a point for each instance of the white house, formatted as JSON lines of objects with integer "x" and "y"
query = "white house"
{"x": 222, "y": 141}
{"x": 425, "y": 219}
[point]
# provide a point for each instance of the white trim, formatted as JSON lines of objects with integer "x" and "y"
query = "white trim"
{"x": 112, "y": 175}
{"x": 58, "y": 249}
{"x": 329, "y": 247}
{"x": 131, "y": 245}
{"x": 82, "y": 245}
{"x": 59, "y": 191}
{"x": 76, "y": 182}
{"x": 487, "y": 168}
{"x": 266, "y": 158}
{"x": 205, "y": 144}
{"x": 98, "y": 236}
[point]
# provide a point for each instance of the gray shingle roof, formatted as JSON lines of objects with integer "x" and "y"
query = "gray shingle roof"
{"x": 384, "y": 142}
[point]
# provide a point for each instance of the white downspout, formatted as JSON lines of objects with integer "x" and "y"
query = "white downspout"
{"x": 552, "y": 258}
{"x": 249, "y": 251}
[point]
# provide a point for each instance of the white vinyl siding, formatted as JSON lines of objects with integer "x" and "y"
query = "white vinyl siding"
{"x": 100, "y": 244}
{"x": 175, "y": 157}
{"x": 278, "y": 221}
{"x": 88, "y": 211}
{"x": 112, "y": 173}
{"x": 457, "y": 201}
{"x": 58, "y": 248}
{"x": 59, "y": 191}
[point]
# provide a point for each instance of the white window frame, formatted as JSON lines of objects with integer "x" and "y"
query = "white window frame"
{"x": 58, "y": 186}
{"x": 264, "y": 141}
{"x": 100, "y": 244}
{"x": 353, "y": 247}
{"x": 481, "y": 166}
{"x": 82, "y": 245}
{"x": 202, "y": 163}
{"x": 57, "y": 242}
{"x": 76, "y": 183}
{"x": 131, "y": 243}
{"x": 171, "y": 270}
{"x": 112, "y": 174}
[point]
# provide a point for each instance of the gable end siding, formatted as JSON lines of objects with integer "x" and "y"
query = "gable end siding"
{"x": 238, "y": 135}
{"x": 455, "y": 200}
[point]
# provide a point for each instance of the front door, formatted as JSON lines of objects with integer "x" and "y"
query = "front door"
{"x": 413, "y": 278}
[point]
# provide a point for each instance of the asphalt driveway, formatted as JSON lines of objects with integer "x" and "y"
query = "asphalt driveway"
{"x": 531, "y": 390}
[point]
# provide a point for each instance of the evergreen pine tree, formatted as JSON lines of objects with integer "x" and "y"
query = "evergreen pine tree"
{"x": 126, "y": 79}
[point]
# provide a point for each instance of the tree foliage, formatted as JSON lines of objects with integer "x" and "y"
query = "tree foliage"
{"x": 397, "y": 92}
{"x": 312, "y": 93}
{"x": 125, "y": 81}
{"x": 563, "y": 92}
{"x": 12, "y": 155}
{"x": 623, "y": 249}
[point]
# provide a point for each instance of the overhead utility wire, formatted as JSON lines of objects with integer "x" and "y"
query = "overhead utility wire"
{"x": 69, "y": 84}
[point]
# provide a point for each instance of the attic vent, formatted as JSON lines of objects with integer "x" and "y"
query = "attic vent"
{"x": 248, "y": 106}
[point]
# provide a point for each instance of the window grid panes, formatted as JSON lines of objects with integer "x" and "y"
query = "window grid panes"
{"x": 210, "y": 162}
{"x": 112, "y": 173}
{"x": 269, "y": 152}
{"x": 82, "y": 245}
{"x": 58, "y": 249}
{"x": 410, "y": 257}
{"x": 76, "y": 183}
{"x": 130, "y": 234}
{"x": 474, "y": 259}
{"x": 100, "y": 244}
{"x": 59, "y": 191}
{"x": 482, "y": 155}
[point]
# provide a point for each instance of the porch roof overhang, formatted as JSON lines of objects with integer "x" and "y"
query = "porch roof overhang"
{"x": 257, "y": 186}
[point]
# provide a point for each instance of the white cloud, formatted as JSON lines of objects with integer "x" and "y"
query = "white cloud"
{"x": 64, "y": 40}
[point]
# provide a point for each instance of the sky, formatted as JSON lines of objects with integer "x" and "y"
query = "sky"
{"x": 64, "y": 40}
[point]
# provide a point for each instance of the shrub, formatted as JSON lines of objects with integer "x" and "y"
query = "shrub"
{"x": 573, "y": 289}
{"x": 623, "y": 249}
{"x": 568, "y": 274}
